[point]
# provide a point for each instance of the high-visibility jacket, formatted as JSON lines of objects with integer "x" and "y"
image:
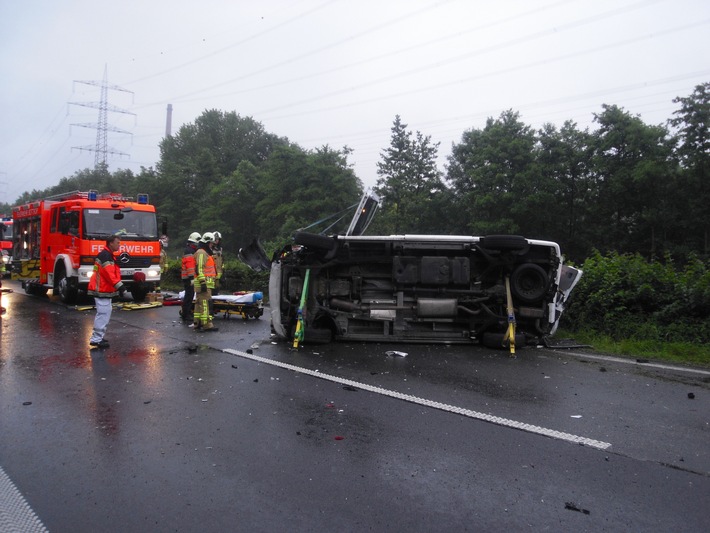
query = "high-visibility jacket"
{"x": 106, "y": 281}
{"x": 188, "y": 262}
{"x": 204, "y": 268}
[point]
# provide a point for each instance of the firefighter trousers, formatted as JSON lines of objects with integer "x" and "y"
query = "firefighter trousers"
{"x": 202, "y": 316}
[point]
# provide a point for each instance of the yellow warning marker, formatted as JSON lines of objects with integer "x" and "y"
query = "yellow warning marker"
{"x": 300, "y": 326}
{"x": 510, "y": 333}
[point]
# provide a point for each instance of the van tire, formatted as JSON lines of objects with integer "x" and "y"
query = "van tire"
{"x": 529, "y": 283}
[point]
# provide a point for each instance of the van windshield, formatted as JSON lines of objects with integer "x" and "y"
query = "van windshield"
{"x": 133, "y": 225}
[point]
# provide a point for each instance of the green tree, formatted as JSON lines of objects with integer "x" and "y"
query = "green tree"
{"x": 229, "y": 207}
{"x": 410, "y": 184}
{"x": 491, "y": 171}
{"x": 198, "y": 159}
{"x": 298, "y": 188}
{"x": 633, "y": 168}
{"x": 564, "y": 156}
{"x": 692, "y": 123}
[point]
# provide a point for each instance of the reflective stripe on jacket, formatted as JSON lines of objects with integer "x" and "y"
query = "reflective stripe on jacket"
{"x": 106, "y": 281}
{"x": 204, "y": 268}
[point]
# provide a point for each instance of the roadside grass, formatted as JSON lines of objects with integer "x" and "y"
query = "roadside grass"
{"x": 675, "y": 352}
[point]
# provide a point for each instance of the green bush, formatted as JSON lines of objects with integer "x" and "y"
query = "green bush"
{"x": 628, "y": 297}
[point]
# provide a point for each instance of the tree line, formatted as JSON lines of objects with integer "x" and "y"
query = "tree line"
{"x": 625, "y": 186}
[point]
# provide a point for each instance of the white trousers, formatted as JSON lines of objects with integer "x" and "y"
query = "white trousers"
{"x": 104, "y": 307}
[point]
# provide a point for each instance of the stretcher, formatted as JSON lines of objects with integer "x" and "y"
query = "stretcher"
{"x": 246, "y": 304}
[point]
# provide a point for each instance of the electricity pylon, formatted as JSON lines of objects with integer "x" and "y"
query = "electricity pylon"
{"x": 102, "y": 127}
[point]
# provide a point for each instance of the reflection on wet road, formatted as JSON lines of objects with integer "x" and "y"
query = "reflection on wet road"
{"x": 173, "y": 430}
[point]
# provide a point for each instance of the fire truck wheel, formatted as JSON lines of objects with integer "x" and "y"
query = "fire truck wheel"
{"x": 66, "y": 287}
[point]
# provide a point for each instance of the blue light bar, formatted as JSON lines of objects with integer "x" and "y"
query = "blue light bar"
{"x": 142, "y": 198}
{"x": 92, "y": 195}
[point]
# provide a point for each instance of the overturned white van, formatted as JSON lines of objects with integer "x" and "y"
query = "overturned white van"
{"x": 497, "y": 290}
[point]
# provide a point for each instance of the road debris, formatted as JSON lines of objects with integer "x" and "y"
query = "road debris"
{"x": 574, "y": 507}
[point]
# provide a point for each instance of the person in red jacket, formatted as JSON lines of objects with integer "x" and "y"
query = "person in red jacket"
{"x": 103, "y": 286}
{"x": 188, "y": 276}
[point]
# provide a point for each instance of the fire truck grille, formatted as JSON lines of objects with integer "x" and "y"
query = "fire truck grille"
{"x": 136, "y": 262}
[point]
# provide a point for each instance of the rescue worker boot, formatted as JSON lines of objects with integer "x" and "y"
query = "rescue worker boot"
{"x": 103, "y": 343}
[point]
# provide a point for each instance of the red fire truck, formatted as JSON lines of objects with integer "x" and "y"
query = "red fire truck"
{"x": 57, "y": 239}
{"x": 6, "y": 242}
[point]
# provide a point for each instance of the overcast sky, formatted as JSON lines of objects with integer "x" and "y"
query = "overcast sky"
{"x": 332, "y": 72}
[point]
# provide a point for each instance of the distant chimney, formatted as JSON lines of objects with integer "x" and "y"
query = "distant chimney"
{"x": 169, "y": 121}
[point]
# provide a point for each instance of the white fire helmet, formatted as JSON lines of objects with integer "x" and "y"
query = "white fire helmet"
{"x": 207, "y": 237}
{"x": 194, "y": 237}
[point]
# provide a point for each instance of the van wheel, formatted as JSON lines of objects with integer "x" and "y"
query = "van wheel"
{"x": 529, "y": 283}
{"x": 66, "y": 287}
{"x": 314, "y": 335}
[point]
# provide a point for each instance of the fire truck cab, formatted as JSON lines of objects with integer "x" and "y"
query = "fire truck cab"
{"x": 6, "y": 242}
{"x": 58, "y": 238}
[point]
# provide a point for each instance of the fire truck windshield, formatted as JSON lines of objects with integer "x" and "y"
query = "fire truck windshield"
{"x": 6, "y": 230}
{"x": 132, "y": 225}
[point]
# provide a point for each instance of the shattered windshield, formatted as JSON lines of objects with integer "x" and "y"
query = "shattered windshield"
{"x": 135, "y": 225}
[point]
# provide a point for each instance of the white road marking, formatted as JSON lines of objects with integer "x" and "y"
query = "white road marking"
{"x": 430, "y": 403}
{"x": 15, "y": 513}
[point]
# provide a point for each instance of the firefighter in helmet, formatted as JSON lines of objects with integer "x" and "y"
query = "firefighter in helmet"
{"x": 205, "y": 275}
{"x": 187, "y": 275}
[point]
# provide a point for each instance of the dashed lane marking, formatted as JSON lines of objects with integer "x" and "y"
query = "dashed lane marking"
{"x": 530, "y": 428}
{"x": 16, "y": 516}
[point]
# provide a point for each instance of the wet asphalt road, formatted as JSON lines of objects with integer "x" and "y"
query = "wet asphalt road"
{"x": 173, "y": 430}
